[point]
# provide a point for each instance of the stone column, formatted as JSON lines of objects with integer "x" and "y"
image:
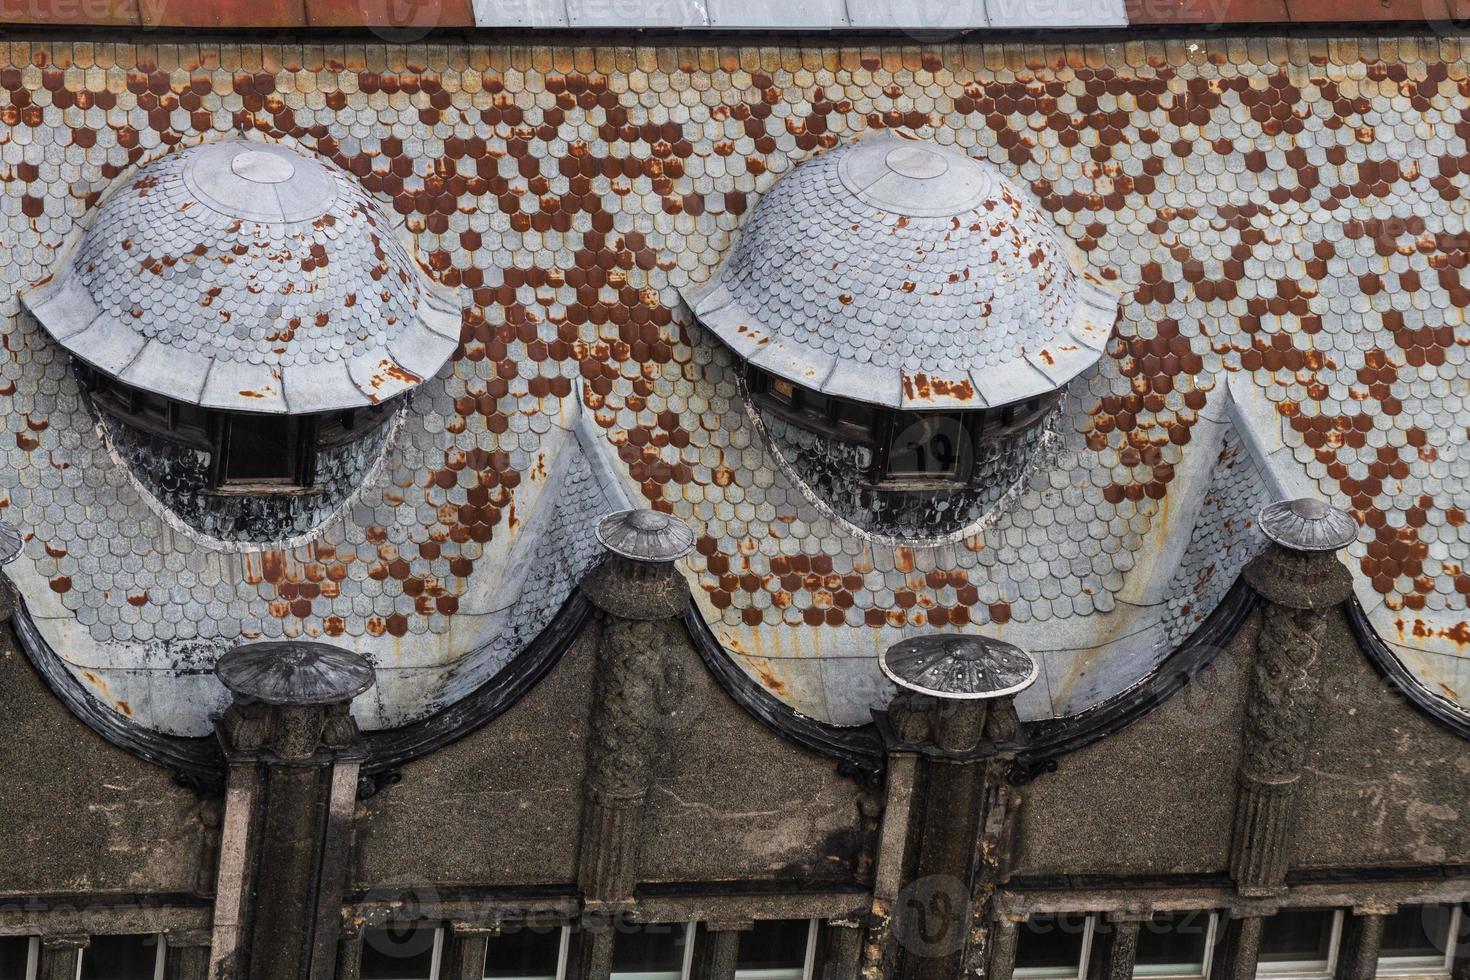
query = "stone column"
{"x": 186, "y": 956}
{"x": 1005, "y": 935}
{"x": 1237, "y": 953}
{"x": 349, "y": 954}
{"x": 61, "y": 957}
{"x": 464, "y": 952}
{"x": 839, "y": 951}
{"x": 1362, "y": 936}
{"x": 642, "y": 692}
{"x": 955, "y": 717}
{"x": 716, "y": 950}
{"x": 293, "y": 753}
{"x": 1300, "y": 578}
{"x": 1114, "y": 956}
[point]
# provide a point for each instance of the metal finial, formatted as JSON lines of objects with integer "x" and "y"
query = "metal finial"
{"x": 958, "y": 666}
{"x": 11, "y": 542}
{"x": 645, "y": 535}
{"x": 1307, "y": 524}
{"x": 294, "y": 673}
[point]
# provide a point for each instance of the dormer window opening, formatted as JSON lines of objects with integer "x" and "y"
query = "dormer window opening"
{"x": 249, "y": 453}
{"x": 912, "y": 450}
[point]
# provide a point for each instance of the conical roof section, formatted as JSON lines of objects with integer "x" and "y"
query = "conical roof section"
{"x": 246, "y": 276}
{"x": 903, "y": 273}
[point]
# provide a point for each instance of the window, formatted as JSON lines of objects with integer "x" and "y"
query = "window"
{"x": 123, "y": 958}
{"x": 1419, "y": 940}
{"x": 1300, "y": 943}
{"x": 19, "y": 956}
{"x": 1175, "y": 944}
{"x": 248, "y": 453}
{"x": 527, "y": 952}
{"x": 1060, "y": 946}
{"x": 1054, "y": 946}
{"x": 778, "y": 949}
{"x": 406, "y": 951}
{"x": 656, "y": 951}
{"x": 913, "y": 450}
{"x": 263, "y": 452}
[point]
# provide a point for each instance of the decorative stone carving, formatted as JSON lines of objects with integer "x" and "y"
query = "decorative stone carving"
{"x": 643, "y": 690}
{"x": 1300, "y": 578}
{"x": 955, "y": 719}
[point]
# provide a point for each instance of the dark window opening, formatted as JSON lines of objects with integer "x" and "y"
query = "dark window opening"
{"x": 15, "y": 957}
{"x": 1053, "y": 946}
{"x": 913, "y": 450}
{"x": 248, "y": 453}
{"x": 1298, "y": 941}
{"x": 122, "y": 958}
{"x": 1419, "y": 939}
{"x": 401, "y": 951}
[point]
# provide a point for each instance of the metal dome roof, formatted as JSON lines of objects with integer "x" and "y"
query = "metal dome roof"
{"x": 959, "y": 666}
{"x": 645, "y": 535}
{"x": 242, "y": 275}
{"x": 1307, "y": 524}
{"x": 294, "y": 672}
{"x": 906, "y": 274}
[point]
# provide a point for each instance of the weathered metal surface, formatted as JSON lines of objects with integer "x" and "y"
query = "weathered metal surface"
{"x": 906, "y": 274}
{"x": 1306, "y": 524}
{"x": 294, "y": 672}
{"x": 11, "y": 543}
{"x": 645, "y": 535}
{"x": 961, "y": 667}
{"x": 243, "y": 275}
{"x": 1291, "y": 277}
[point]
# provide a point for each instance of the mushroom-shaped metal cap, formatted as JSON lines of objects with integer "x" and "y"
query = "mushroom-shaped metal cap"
{"x": 645, "y": 535}
{"x": 294, "y": 673}
{"x": 959, "y": 667}
{"x": 1307, "y": 524}
{"x": 11, "y": 542}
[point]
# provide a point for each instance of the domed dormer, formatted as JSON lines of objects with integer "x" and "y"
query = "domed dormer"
{"x": 907, "y": 320}
{"x": 245, "y": 318}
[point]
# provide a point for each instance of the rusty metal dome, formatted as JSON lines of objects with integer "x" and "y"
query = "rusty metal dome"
{"x": 645, "y": 535}
{"x": 294, "y": 672}
{"x": 244, "y": 276}
{"x": 904, "y": 273}
{"x": 959, "y": 666}
{"x": 1307, "y": 524}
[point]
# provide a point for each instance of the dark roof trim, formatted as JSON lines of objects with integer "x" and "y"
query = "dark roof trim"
{"x": 196, "y": 761}
{"x": 1441, "y": 710}
{"x": 860, "y": 748}
{"x": 1055, "y": 737}
{"x": 392, "y": 747}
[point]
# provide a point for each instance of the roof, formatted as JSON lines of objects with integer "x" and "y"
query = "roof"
{"x": 925, "y": 21}
{"x": 243, "y": 275}
{"x": 906, "y": 274}
{"x": 1284, "y": 218}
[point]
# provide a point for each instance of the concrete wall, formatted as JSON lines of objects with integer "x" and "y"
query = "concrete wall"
{"x": 80, "y": 815}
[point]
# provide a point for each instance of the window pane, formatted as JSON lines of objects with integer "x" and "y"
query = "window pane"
{"x": 398, "y": 952}
{"x": 649, "y": 952}
{"x": 524, "y": 952}
{"x": 1051, "y": 945}
{"x": 773, "y": 949}
{"x": 1299, "y": 937}
{"x": 1418, "y": 931}
{"x": 928, "y": 446}
{"x": 15, "y": 952}
{"x": 1173, "y": 944}
{"x": 262, "y": 447}
{"x": 120, "y": 958}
